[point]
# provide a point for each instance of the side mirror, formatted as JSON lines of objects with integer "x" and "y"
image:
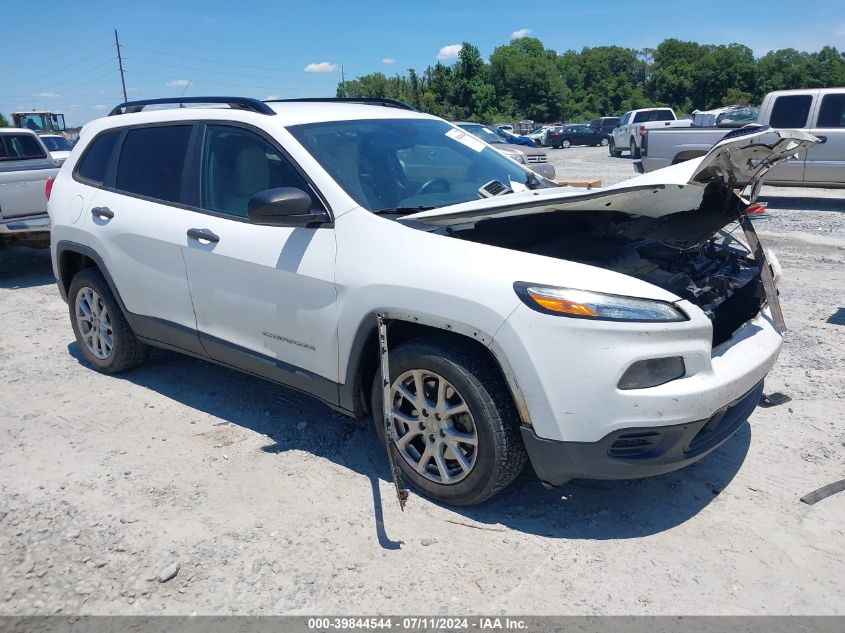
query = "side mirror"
{"x": 284, "y": 206}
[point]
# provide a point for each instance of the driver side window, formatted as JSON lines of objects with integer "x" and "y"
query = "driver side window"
{"x": 237, "y": 164}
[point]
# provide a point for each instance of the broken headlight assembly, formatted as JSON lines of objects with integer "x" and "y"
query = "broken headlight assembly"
{"x": 583, "y": 304}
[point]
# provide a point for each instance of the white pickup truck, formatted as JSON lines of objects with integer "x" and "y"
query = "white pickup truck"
{"x": 633, "y": 125}
{"x": 25, "y": 168}
{"x": 818, "y": 111}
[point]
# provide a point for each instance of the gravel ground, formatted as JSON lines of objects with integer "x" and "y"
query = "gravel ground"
{"x": 262, "y": 501}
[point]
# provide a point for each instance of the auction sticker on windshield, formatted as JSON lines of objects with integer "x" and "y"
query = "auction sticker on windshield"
{"x": 467, "y": 139}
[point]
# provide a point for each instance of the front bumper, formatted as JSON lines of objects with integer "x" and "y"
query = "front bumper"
{"x": 544, "y": 169}
{"x": 638, "y": 452}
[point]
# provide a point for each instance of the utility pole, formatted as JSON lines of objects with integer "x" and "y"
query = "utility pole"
{"x": 120, "y": 63}
{"x": 342, "y": 80}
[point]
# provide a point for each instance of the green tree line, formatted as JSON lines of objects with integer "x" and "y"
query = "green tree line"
{"x": 523, "y": 79}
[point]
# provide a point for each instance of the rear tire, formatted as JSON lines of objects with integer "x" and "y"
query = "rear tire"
{"x": 635, "y": 151}
{"x": 566, "y": 144}
{"x": 491, "y": 449}
{"x": 107, "y": 341}
{"x": 604, "y": 142}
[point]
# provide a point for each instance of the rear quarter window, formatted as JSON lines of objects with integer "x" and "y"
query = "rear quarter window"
{"x": 20, "y": 147}
{"x": 95, "y": 162}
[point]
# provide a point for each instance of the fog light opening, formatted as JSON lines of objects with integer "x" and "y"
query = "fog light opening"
{"x": 652, "y": 372}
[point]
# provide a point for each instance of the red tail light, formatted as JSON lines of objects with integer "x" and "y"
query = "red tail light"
{"x": 48, "y": 188}
{"x": 755, "y": 209}
{"x": 642, "y": 130}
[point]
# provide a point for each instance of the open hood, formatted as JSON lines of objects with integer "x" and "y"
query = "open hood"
{"x": 736, "y": 162}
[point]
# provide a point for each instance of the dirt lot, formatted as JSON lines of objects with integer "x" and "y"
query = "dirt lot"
{"x": 271, "y": 503}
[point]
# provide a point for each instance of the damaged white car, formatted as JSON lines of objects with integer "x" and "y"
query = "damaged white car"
{"x": 614, "y": 333}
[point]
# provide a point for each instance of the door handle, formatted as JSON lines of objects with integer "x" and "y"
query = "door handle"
{"x": 203, "y": 234}
{"x": 822, "y": 139}
{"x": 104, "y": 213}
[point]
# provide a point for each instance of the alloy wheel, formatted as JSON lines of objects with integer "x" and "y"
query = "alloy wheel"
{"x": 435, "y": 430}
{"x": 94, "y": 323}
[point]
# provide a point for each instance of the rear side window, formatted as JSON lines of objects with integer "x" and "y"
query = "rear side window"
{"x": 791, "y": 111}
{"x": 832, "y": 111}
{"x": 21, "y": 147}
{"x": 653, "y": 115}
{"x": 94, "y": 164}
{"x": 152, "y": 160}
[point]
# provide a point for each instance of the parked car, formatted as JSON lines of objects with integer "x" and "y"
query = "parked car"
{"x": 533, "y": 158}
{"x": 513, "y": 139}
{"x": 574, "y": 135}
{"x": 506, "y": 127}
{"x": 539, "y": 134}
{"x": 58, "y": 146}
{"x": 818, "y": 111}
{"x": 633, "y": 126}
{"x": 26, "y": 171}
{"x": 268, "y": 236}
{"x": 605, "y": 126}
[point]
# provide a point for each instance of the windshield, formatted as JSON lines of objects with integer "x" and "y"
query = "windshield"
{"x": 57, "y": 143}
{"x": 481, "y": 131}
{"x": 407, "y": 164}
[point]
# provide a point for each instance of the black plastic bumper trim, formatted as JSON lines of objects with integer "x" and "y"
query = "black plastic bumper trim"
{"x": 677, "y": 446}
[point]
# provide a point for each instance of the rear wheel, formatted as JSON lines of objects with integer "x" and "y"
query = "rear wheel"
{"x": 103, "y": 334}
{"x": 456, "y": 428}
{"x": 604, "y": 142}
{"x": 566, "y": 144}
{"x": 635, "y": 152}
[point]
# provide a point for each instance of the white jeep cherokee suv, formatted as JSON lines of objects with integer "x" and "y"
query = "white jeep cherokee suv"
{"x": 611, "y": 333}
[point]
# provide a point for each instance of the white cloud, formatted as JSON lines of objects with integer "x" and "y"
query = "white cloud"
{"x": 388, "y": 60}
{"x": 271, "y": 97}
{"x": 450, "y": 51}
{"x": 520, "y": 33}
{"x": 46, "y": 94}
{"x": 840, "y": 30}
{"x": 178, "y": 82}
{"x": 322, "y": 67}
{"x": 100, "y": 106}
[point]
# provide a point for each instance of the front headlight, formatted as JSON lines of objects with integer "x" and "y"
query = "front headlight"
{"x": 583, "y": 304}
{"x": 519, "y": 158}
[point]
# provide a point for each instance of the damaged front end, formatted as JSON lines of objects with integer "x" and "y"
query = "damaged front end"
{"x": 681, "y": 230}
{"x": 699, "y": 261}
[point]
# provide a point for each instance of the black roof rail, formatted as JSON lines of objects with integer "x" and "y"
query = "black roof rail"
{"x": 390, "y": 103}
{"x": 238, "y": 103}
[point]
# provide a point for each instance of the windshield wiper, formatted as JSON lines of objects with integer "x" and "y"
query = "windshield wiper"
{"x": 401, "y": 210}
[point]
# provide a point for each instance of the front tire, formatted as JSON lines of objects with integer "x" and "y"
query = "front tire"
{"x": 102, "y": 332}
{"x": 613, "y": 151}
{"x": 604, "y": 142}
{"x": 457, "y": 430}
{"x": 566, "y": 144}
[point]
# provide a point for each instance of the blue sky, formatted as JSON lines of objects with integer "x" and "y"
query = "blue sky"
{"x": 61, "y": 56}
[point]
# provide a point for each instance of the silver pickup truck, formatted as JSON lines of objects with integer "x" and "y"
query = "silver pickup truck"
{"x": 818, "y": 111}
{"x": 25, "y": 168}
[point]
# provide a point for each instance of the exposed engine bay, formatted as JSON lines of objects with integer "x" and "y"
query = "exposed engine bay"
{"x": 692, "y": 253}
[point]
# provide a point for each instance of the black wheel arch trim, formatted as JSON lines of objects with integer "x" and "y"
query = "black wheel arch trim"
{"x": 349, "y": 389}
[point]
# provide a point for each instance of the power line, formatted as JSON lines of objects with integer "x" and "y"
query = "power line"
{"x": 71, "y": 78}
{"x": 215, "y": 83}
{"x": 217, "y": 61}
{"x": 61, "y": 68}
{"x": 215, "y": 71}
